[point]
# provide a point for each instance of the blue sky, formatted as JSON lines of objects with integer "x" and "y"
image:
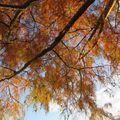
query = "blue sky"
{"x": 55, "y": 114}
{"x": 41, "y": 115}
{"x": 112, "y": 96}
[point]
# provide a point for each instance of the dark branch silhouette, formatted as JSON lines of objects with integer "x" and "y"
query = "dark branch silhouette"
{"x": 81, "y": 10}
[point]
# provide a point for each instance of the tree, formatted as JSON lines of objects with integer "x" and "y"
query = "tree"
{"x": 51, "y": 48}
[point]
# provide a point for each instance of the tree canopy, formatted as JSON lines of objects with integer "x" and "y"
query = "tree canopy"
{"x": 57, "y": 50}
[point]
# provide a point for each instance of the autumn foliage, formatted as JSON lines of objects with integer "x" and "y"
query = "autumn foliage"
{"x": 57, "y": 50}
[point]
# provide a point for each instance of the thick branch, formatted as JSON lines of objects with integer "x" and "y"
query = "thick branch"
{"x": 99, "y": 25}
{"x": 58, "y": 38}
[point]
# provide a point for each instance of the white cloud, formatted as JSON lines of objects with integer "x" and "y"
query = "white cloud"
{"x": 54, "y": 107}
{"x": 111, "y": 95}
{"x": 108, "y": 94}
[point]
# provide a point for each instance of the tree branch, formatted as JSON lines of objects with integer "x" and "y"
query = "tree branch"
{"x": 99, "y": 25}
{"x": 23, "y": 6}
{"x": 58, "y": 39}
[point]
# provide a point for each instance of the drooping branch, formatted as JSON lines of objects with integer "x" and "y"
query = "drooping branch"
{"x": 99, "y": 25}
{"x": 58, "y": 39}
